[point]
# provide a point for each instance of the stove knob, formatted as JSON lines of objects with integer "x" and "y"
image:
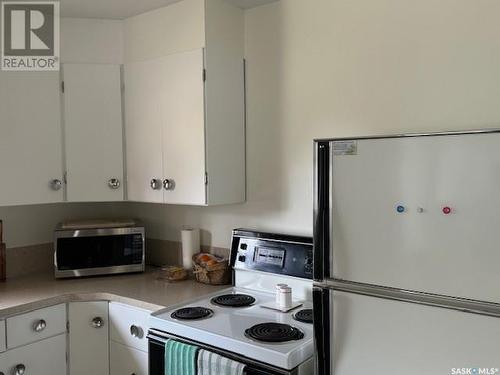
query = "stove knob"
{"x": 242, "y": 258}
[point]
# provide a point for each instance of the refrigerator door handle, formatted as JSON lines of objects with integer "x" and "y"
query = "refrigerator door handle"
{"x": 322, "y": 337}
{"x": 321, "y": 269}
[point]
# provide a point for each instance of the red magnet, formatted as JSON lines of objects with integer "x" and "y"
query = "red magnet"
{"x": 446, "y": 210}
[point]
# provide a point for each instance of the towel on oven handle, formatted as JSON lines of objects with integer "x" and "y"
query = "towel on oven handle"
{"x": 214, "y": 364}
{"x": 180, "y": 358}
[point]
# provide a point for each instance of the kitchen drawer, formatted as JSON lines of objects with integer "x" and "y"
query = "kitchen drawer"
{"x": 129, "y": 326}
{"x": 46, "y": 357}
{"x": 3, "y": 344}
{"x": 36, "y": 325}
{"x": 127, "y": 361}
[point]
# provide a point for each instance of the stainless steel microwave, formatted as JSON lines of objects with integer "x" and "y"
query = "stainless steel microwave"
{"x": 98, "y": 248}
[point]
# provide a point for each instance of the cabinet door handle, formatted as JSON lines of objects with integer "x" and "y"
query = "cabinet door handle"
{"x": 168, "y": 184}
{"x": 39, "y": 326}
{"x": 114, "y": 183}
{"x": 136, "y": 331}
{"x": 55, "y": 184}
{"x": 155, "y": 184}
{"x": 97, "y": 322}
{"x": 19, "y": 370}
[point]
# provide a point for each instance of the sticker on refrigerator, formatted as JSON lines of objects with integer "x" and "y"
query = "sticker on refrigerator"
{"x": 345, "y": 148}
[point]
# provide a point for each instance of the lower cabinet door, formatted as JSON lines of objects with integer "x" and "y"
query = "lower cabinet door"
{"x": 46, "y": 357}
{"x": 127, "y": 361}
{"x": 88, "y": 338}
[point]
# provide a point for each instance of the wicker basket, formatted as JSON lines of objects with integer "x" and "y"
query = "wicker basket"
{"x": 216, "y": 274}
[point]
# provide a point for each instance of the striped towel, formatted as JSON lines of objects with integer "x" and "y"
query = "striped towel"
{"x": 213, "y": 364}
{"x": 180, "y": 358}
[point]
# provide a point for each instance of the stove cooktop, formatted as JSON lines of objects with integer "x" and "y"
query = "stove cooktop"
{"x": 250, "y": 330}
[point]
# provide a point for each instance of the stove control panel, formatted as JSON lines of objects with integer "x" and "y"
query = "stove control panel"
{"x": 273, "y": 253}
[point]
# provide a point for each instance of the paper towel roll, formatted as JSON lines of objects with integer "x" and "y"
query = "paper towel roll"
{"x": 190, "y": 246}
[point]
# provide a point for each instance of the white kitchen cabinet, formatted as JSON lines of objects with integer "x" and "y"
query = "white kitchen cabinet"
{"x": 46, "y": 357}
{"x": 183, "y": 128}
{"x": 143, "y": 131}
{"x": 89, "y": 338}
{"x": 165, "y": 129}
{"x": 184, "y": 122}
{"x": 36, "y": 325}
{"x": 128, "y": 326}
{"x": 93, "y": 132}
{"x": 31, "y": 164}
{"x": 127, "y": 361}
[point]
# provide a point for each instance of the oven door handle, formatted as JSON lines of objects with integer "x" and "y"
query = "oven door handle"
{"x": 159, "y": 336}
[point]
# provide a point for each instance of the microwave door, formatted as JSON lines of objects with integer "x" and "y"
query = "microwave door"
{"x": 359, "y": 334}
{"x": 90, "y": 252}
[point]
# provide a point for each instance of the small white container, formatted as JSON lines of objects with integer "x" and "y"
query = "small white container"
{"x": 285, "y": 297}
{"x": 278, "y": 289}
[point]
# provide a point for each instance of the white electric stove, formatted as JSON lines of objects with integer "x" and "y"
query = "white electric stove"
{"x": 234, "y": 322}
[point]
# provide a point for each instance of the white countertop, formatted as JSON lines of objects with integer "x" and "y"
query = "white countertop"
{"x": 144, "y": 290}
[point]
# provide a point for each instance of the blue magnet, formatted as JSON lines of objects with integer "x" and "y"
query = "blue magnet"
{"x": 400, "y": 209}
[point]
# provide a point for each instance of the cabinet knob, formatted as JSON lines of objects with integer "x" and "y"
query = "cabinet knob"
{"x": 136, "y": 331}
{"x": 168, "y": 184}
{"x": 155, "y": 184}
{"x": 97, "y": 322}
{"x": 114, "y": 183}
{"x": 39, "y": 326}
{"x": 56, "y": 184}
{"x": 19, "y": 369}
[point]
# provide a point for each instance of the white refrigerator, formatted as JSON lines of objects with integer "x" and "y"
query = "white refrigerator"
{"x": 407, "y": 254}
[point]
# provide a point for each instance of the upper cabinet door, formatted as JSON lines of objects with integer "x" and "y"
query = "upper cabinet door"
{"x": 143, "y": 131}
{"x": 183, "y": 116}
{"x": 30, "y": 138}
{"x": 93, "y": 132}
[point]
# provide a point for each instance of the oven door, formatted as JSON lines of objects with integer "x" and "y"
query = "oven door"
{"x": 157, "y": 340}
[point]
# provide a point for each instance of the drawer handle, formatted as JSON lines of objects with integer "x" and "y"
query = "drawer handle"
{"x": 39, "y": 326}
{"x": 136, "y": 331}
{"x": 19, "y": 369}
{"x": 97, "y": 322}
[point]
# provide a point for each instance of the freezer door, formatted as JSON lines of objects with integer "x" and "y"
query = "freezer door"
{"x": 416, "y": 213}
{"x": 369, "y": 335}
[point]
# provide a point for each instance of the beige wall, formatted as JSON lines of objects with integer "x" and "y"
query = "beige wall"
{"x": 327, "y": 68}
{"x": 94, "y": 41}
{"x": 175, "y": 28}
